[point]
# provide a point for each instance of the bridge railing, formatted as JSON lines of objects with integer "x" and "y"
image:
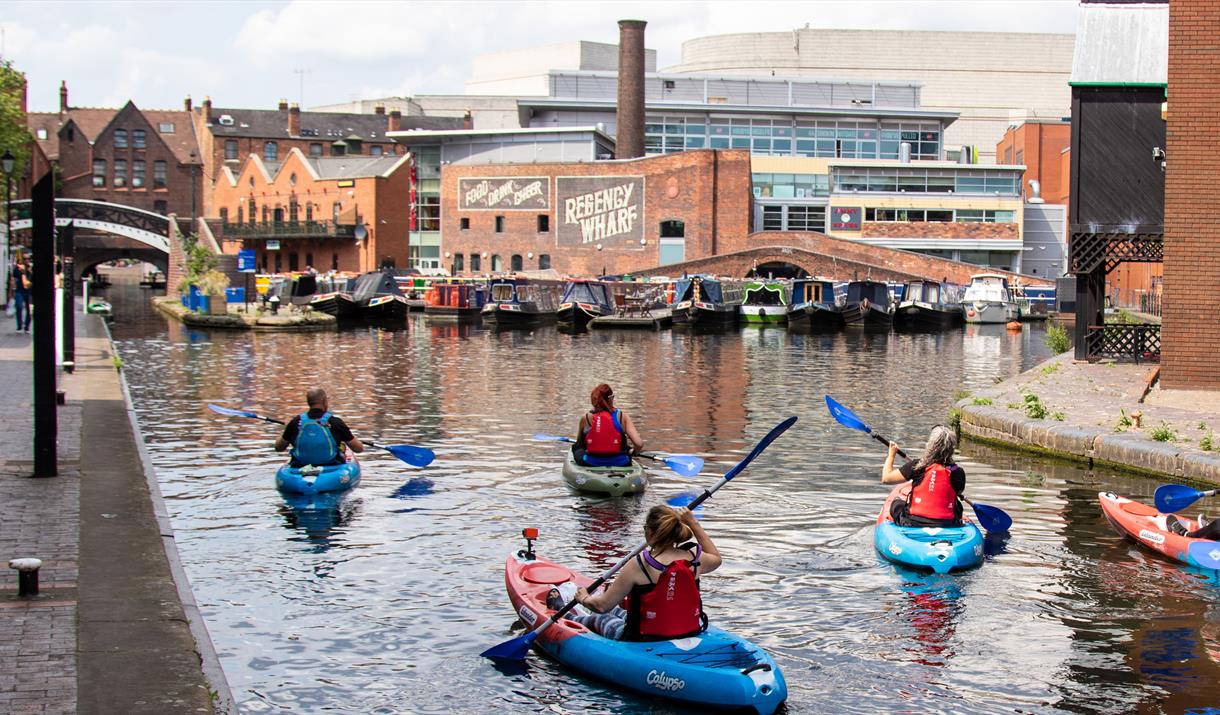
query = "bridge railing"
{"x": 288, "y": 229}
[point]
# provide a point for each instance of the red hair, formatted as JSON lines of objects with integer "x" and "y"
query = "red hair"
{"x": 602, "y": 398}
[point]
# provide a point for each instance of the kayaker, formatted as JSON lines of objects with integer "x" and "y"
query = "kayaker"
{"x": 317, "y": 437}
{"x": 659, "y": 589}
{"x": 936, "y": 483}
{"x": 603, "y": 434}
{"x": 1206, "y": 529}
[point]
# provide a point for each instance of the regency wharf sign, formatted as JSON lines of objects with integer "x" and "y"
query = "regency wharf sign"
{"x": 522, "y": 193}
{"x": 606, "y": 210}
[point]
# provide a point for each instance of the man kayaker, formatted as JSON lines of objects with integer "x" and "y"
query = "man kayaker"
{"x": 317, "y": 437}
{"x": 936, "y": 483}
{"x": 601, "y": 438}
{"x": 660, "y": 586}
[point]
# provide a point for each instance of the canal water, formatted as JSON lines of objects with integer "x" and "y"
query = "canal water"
{"x": 380, "y": 602}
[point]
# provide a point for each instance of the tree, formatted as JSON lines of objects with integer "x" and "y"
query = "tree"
{"x": 14, "y": 128}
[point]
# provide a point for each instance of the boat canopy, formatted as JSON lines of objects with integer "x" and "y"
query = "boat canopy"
{"x": 586, "y": 292}
{"x": 812, "y": 291}
{"x": 709, "y": 290}
{"x": 371, "y": 285}
{"x": 988, "y": 287}
{"x": 772, "y": 293}
{"x": 878, "y": 293}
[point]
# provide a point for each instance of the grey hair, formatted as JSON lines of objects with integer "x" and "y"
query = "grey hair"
{"x": 315, "y": 397}
{"x": 939, "y": 450}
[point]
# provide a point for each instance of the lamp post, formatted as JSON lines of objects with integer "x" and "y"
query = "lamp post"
{"x": 6, "y": 162}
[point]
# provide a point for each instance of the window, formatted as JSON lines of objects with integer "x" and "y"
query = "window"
{"x": 99, "y": 172}
{"x": 499, "y": 225}
{"x": 672, "y": 246}
{"x": 1020, "y": 156}
{"x": 544, "y": 261}
{"x": 266, "y": 213}
{"x": 429, "y": 212}
{"x": 773, "y": 218}
{"x": 166, "y": 127}
{"x": 279, "y": 267}
{"x": 308, "y": 212}
{"x": 293, "y": 264}
{"x": 161, "y": 206}
{"x": 294, "y": 212}
{"x": 224, "y": 215}
{"x": 475, "y": 264}
{"x": 138, "y": 140}
{"x": 497, "y": 264}
{"x": 120, "y": 172}
{"x": 292, "y": 179}
{"x": 458, "y": 263}
{"x": 335, "y": 212}
{"x": 241, "y": 216}
{"x": 464, "y": 223}
{"x": 137, "y": 174}
{"x": 308, "y": 260}
{"x": 375, "y": 150}
{"x": 159, "y": 181}
{"x": 70, "y": 134}
{"x": 544, "y": 223}
{"x": 673, "y": 229}
{"x": 120, "y": 138}
{"x": 230, "y": 150}
{"x": 271, "y": 151}
{"x": 806, "y": 218}
{"x": 253, "y": 211}
{"x": 339, "y": 148}
{"x": 334, "y": 261}
{"x": 315, "y": 149}
{"x": 516, "y": 263}
{"x": 42, "y": 133}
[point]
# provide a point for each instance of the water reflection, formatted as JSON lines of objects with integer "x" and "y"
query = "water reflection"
{"x": 931, "y": 608}
{"x": 322, "y": 519}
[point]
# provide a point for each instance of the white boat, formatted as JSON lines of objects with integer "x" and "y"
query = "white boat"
{"x": 988, "y": 299}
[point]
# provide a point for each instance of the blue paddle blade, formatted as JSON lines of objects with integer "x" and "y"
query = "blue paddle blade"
{"x": 992, "y": 518}
{"x": 1206, "y": 554}
{"x": 231, "y": 412}
{"x": 415, "y": 456}
{"x": 684, "y": 464}
{"x": 845, "y": 416}
{"x": 515, "y": 649}
{"x": 539, "y": 437}
{"x": 1171, "y": 498}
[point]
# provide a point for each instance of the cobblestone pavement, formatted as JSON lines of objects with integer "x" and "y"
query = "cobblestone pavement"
{"x": 38, "y": 650}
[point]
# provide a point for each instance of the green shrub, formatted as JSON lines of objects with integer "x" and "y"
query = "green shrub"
{"x": 1208, "y": 443}
{"x": 1123, "y": 421}
{"x": 954, "y": 419}
{"x": 1033, "y": 407}
{"x": 982, "y": 401}
{"x": 1050, "y": 369}
{"x": 1057, "y": 339}
{"x": 1163, "y": 433}
{"x": 1058, "y": 416}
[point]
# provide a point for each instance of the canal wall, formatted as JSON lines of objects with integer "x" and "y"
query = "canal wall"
{"x": 1100, "y": 414}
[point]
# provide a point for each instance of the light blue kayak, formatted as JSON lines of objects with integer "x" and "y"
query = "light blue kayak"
{"x": 312, "y": 480}
{"x": 714, "y": 669}
{"x": 939, "y": 549}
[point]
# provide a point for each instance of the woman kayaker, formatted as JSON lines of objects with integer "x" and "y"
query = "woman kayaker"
{"x": 659, "y": 589}
{"x": 936, "y": 483}
{"x": 601, "y": 438}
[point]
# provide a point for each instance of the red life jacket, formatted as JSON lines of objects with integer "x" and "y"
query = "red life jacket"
{"x": 669, "y": 608}
{"x": 605, "y": 435}
{"x": 933, "y": 497}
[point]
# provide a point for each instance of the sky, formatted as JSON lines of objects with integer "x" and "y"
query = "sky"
{"x": 252, "y": 54}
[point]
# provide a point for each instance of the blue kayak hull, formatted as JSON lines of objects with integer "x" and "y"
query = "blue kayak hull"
{"x": 314, "y": 480}
{"x": 938, "y": 549}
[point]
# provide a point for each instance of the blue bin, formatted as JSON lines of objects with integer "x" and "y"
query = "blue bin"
{"x": 193, "y": 297}
{"x": 184, "y": 301}
{"x": 235, "y": 295}
{"x": 205, "y": 304}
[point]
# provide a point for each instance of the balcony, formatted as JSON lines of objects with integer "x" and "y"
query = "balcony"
{"x": 284, "y": 229}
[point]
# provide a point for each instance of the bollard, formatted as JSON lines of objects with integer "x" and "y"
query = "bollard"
{"x": 60, "y": 397}
{"x": 69, "y": 366}
{"x": 27, "y": 575}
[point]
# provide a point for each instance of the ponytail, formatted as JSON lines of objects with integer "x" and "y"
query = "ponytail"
{"x": 664, "y": 529}
{"x": 602, "y": 398}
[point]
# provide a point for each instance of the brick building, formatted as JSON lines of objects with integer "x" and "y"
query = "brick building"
{"x": 1039, "y": 146}
{"x": 585, "y": 218}
{"x": 147, "y": 159}
{"x": 227, "y": 136}
{"x": 312, "y": 211}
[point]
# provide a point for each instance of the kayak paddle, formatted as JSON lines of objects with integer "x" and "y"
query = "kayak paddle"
{"x": 1206, "y": 553}
{"x": 687, "y": 465}
{"x": 1171, "y": 498}
{"x": 517, "y": 648}
{"x": 991, "y": 518}
{"x": 415, "y": 456}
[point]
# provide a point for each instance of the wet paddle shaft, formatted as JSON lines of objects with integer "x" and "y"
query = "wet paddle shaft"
{"x": 517, "y": 648}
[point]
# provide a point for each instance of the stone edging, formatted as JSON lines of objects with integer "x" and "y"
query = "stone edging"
{"x": 209, "y": 661}
{"x": 290, "y": 324}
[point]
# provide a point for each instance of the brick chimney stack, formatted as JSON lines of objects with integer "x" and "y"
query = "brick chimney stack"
{"x": 379, "y": 108}
{"x": 629, "y": 142}
{"x": 207, "y": 109}
{"x": 394, "y": 123}
{"x": 294, "y": 120}
{"x": 186, "y": 104}
{"x": 63, "y": 97}
{"x": 283, "y": 105}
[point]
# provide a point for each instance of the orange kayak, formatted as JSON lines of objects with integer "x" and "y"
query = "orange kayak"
{"x": 1140, "y": 522}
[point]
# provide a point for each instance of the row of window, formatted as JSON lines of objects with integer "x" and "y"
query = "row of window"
{"x": 516, "y": 262}
{"x": 138, "y": 174}
{"x": 790, "y": 137}
{"x": 962, "y": 215}
{"x": 791, "y": 186}
{"x": 925, "y": 181}
{"x": 277, "y": 214}
{"x": 294, "y": 263}
{"x": 794, "y": 218}
{"x": 139, "y": 139}
{"x": 271, "y": 150}
{"x": 543, "y": 222}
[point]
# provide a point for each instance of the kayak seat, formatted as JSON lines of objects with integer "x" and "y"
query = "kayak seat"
{"x": 545, "y": 574}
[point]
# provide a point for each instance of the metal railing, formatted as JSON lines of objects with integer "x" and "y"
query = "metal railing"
{"x": 288, "y": 229}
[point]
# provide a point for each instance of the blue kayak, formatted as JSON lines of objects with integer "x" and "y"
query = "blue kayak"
{"x": 311, "y": 480}
{"x": 939, "y": 549}
{"x": 714, "y": 669}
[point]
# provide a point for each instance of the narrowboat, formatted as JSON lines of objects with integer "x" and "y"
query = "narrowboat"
{"x": 868, "y": 305}
{"x": 988, "y": 299}
{"x": 813, "y": 306}
{"x": 1034, "y": 302}
{"x": 333, "y": 297}
{"x": 765, "y": 302}
{"x": 705, "y": 301}
{"x": 584, "y": 300}
{"x": 455, "y": 300}
{"x": 929, "y": 305}
{"x": 378, "y": 299}
{"x": 520, "y": 302}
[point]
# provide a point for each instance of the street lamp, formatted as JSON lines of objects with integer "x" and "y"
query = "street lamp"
{"x": 6, "y": 162}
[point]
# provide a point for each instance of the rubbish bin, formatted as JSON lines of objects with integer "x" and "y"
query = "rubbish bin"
{"x": 235, "y": 295}
{"x": 193, "y": 296}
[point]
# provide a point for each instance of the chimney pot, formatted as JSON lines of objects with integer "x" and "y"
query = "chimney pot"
{"x": 187, "y": 103}
{"x": 283, "y": 105}
{"x": 207, "y": 109}
{"x": 394, "y": 123}
{"x": 629, "y": 144}
{"x": 294, "y": 120}
{"x": 379, "y": 108}
{"x": 63, "y": 96}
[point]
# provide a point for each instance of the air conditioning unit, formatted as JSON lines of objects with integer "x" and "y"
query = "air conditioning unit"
{"x": 226, "y": 120}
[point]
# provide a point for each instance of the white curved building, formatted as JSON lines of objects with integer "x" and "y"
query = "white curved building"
{"x": 992, "y": 79}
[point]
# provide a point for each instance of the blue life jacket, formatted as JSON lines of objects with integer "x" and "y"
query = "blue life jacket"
{"x": 314, "y": 443}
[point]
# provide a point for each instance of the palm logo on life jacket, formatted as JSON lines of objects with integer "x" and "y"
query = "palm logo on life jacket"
{"x": 605, "y": 435}
{"x": 314, "y": 443}
{"x": 933, "y": 496}
{"x": 669, "y": 608}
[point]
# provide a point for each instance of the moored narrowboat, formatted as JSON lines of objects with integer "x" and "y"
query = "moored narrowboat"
{"x": 455, "y": 300}
{"x": 520, "y": 302}
{"x": 765, "y": 302}
{"x": 584, "y": 300}
{"x": 706, "y": 301}
{"x": 988, "y": 299}
{"x": 928, "y": 305}
{"x": 868, "y": 305}
{"x": 813, "y": 306}
{"x": 378, "y": 298}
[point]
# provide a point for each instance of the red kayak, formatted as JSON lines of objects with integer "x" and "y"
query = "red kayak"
{"x": 1141, "y": 523}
